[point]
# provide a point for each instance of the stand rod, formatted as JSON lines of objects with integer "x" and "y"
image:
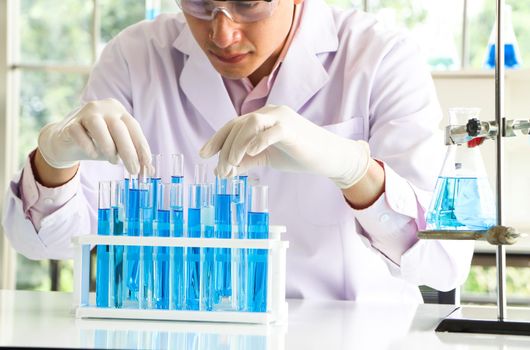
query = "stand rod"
{"x": 499, "y": 112}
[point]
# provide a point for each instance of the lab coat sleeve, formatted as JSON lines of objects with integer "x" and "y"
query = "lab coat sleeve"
{"x": 76, "y": 216}
{"x": 405, "y": 136}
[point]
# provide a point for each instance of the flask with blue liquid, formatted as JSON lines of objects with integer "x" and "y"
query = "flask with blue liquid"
{"x": 512, "y": 55}
{"x": 463, "y": 198}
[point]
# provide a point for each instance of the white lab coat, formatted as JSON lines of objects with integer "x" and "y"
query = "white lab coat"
{"x": 343, "y": 71}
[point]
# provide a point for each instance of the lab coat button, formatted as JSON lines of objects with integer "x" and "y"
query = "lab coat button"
{"x": 48, "y": 201}
{"x": 384, "y": 218}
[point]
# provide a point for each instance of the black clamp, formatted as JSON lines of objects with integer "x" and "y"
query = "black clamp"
{"x": 473, "y": 127}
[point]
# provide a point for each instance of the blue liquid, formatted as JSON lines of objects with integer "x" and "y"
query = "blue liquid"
{"x": 147, "y": 252}
{"x": 258, "y": 228}
{"x": 132, "y": 253}
{"x": 240, "y": 207}
{"x": 511, "y": 59}
{"x": 461, "y": 204}
{"x": 223, "y": 256}
{"x": 207, "y": 276}
{"x": 193, "y": 260}
{"x": 177, "y": 280}
{"x": 161, "y": 292}
{"x": 117, "y": 260}
{"x": 102, "y": 271}
{"x": 177, "y": 179}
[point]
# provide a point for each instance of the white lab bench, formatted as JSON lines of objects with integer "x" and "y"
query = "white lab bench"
{"x": 46, "y": 319}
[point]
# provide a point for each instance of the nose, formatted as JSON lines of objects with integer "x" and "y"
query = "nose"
{"x": 224, "y": 31}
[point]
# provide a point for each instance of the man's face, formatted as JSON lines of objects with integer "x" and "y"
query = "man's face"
{"x": 237, "y": 50}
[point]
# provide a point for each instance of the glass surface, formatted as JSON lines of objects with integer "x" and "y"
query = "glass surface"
{"x": 55, "y": 31}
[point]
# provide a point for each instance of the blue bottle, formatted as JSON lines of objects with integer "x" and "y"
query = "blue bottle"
{"x": 258, "y": 228}
{"x": 512, "y": 55}
{"x": 162, "y": 254}
{"x": 104, "y": 228}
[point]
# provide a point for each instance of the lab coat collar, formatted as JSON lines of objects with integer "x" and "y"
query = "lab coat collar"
{"x": 299, "y": 78}
{"x": 302, "y": 74}
{"x": 202, "y": 84}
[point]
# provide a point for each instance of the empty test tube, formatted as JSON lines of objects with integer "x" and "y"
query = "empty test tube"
{"x": 162, "y": 254}
{"x": 104, "y": 228}
{"x": 258, "y": 228}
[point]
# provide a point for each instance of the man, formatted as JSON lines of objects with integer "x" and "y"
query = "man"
{"x": 292, "y": 90}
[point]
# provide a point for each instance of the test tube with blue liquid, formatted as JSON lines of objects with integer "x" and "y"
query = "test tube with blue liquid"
{"x": 177, "y": 273}
{"x": 223, "y": 256}
{"x": 116, "y": 253}
{"x": 104, "y": 228}
{"x": 239, "y": 268}
{"x": 258, "y": 228}
{"x": 131, "y": 254}
{"x": 207, "y": 254}
{"x": 193, "y": 254}
{"x": 146, "y": 252}
{"x": 162, "y": 254}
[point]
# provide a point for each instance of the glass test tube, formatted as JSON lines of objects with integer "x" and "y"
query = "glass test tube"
{"x": 258, "y": 228}
{"x": 104, "y": 228}
{"x": 207, "y": 254}
{"x": 116, "y": 253}
{"x": 193, "y": 253}
{"x": 177, "y": 168}
{"x": 239, "y": 268}
{"x": 146, "y": 252}
{"x": 223, "y": 256}
{"x": 162, "y": 255}
{"x": 176, "y": 274}
{"x": 131, "y": 254}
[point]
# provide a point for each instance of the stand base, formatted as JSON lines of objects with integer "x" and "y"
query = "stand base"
{"x": 457, "y": 325}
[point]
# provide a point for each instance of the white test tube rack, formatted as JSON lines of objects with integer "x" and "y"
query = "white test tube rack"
{"x": 276, "y": 271}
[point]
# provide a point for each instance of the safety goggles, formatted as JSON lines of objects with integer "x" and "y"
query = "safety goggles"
{"x": 238, "y": 11}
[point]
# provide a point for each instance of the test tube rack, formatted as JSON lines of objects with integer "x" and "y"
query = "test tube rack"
{"x": 276, "y": 270}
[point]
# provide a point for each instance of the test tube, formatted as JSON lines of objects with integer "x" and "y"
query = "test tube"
{"x": 176, "y": 274}
{"x": 146, "y": 252}
{"x": 193, "y": 253}
{"x": 162, "y": 261}
{"x": 104, "y": 228}
{"x": 258, "y": 228}
{"x": 207, "y": 254}
{"x": 131, "y": 254}
{"x": 177, "y": 168}
{"x": 223, "y": 256}
{"x": 116, "y": 253}
{"x": 239, "y": 255}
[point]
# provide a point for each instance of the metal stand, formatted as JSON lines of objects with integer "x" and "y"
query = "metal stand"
{"x": 501, "y": 325}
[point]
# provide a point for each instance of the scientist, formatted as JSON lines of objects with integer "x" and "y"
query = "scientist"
{"x": 337, "y": 114}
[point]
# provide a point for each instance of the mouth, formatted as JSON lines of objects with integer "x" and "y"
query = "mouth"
{"x": 231, "y": 59}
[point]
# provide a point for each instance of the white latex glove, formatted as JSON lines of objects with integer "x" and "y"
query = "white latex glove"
{"x": 99, "y": 130}
{"x": 279, "y": 137}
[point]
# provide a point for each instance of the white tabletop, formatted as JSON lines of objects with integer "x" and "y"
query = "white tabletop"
{"x": 46, "y": 319}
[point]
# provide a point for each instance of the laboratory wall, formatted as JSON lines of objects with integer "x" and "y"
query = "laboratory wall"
{"x": 478, "y": 90}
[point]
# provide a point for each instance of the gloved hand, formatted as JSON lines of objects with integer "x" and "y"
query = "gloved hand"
{"x": 99, "y": 130}
{"x": 279, "y": 137}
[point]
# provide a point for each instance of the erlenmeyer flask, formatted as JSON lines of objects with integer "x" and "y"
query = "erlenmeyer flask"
{"x": 512, "y": 55}
{"x": 462, "y": 199}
